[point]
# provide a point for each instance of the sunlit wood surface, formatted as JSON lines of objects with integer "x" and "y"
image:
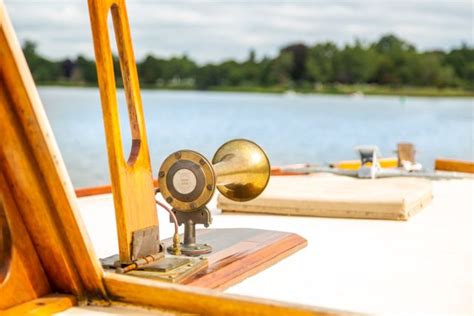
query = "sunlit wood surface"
{"x": 44, "y": 306}
{"x": 34, "y": 173}
{"x": 131, "y": 176}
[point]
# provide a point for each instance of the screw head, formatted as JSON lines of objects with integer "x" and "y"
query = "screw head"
{"x": 209, "y": 187}
{"x": 169, "y": 199}
{"x": 161, "y": 174}
{"x": 177, "y": 155}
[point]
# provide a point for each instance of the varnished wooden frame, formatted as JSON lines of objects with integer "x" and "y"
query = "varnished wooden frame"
{"x": 35, "y": 174}
{"x": 132, "y": 182}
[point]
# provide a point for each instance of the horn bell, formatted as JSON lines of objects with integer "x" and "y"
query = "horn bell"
{"x": 242, "y": 170}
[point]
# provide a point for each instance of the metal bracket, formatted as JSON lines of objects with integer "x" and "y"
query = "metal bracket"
{"x": 200, "y": 216}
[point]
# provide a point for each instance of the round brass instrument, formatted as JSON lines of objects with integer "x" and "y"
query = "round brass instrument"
{"x": 240, "y": 169}
{"x": 186, "y": 180}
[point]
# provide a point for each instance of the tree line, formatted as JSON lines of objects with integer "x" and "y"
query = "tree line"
{"x": 389, "y": 61}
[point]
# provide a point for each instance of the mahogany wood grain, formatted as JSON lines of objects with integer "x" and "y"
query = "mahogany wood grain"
{"x": 239, "y": 253}
{"x": 132, "y": 183}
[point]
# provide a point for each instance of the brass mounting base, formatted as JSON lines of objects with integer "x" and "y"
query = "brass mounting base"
{"x": 189, "y": 247}
{"x": 193, "y": 250}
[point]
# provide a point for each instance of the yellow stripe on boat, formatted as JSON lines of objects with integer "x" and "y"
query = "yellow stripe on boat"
{"x": 390, "y": 162}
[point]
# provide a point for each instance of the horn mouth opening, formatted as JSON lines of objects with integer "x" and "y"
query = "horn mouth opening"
{"x": 242, "y": 170}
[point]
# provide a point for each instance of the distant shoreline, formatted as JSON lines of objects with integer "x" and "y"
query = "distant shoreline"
{"x": 356, "y": 90}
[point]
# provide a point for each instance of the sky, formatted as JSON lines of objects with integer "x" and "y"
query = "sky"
{"x": 212, "y": 31}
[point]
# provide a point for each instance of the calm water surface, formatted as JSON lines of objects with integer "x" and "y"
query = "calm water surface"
{"x": 292, "y": 129}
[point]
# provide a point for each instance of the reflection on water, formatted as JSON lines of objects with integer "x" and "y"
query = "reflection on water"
{"x": 292, "y": 129}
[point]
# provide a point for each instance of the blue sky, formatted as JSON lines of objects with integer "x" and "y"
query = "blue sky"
{"x": 217, "y": 30}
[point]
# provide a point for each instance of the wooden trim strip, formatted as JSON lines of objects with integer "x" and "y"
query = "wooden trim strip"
{"x": 446, "y": 164}
{"x": 189, "y": 299}
{"x": 46, "y": 305}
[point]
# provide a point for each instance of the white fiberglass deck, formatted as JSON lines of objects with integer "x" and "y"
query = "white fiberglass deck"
{"x": 423, "y": 266}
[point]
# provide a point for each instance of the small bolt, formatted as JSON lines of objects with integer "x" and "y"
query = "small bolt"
{"x": 209, "y": 187}
{"x": 169, "y": 199}
{"x": 202, "y": 162}
{"x": 202, "y": 258}
{"x": 207, "y": 245}
{"x": 161, "y": 174}
{"x": 170, "y": 276}
{"x": 193, "y": 205}
{"x": 177, "y": 155}
{"x": 189, "y": 265}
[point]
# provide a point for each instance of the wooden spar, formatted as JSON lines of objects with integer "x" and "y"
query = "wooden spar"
{"x": 202, "y": 302}
{"x": 132, "y": 183}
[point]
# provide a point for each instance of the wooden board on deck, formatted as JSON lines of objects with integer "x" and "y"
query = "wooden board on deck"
{"x": 239, "y": 253}
{"x": 329, "y": 195}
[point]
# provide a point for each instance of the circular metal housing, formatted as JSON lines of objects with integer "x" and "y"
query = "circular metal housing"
{"x": 186, "y": 180}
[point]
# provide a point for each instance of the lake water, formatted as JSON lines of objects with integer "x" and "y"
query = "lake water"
{"x": 291, "y": 128}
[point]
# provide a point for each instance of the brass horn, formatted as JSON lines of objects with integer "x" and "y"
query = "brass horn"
{"x": 240, "y": 170}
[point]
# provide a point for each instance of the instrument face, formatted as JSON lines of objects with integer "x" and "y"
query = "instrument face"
{"x": 242, "y": 169}
{"x": 186, "y": 180}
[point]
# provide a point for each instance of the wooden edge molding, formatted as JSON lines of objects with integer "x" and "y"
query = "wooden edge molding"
{"x": 446, "y": 164}
{"x": 46, "y": 305}
{"x": 143, "y": 292}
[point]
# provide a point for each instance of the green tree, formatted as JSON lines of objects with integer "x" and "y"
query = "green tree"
{"x": 320, "y": 63}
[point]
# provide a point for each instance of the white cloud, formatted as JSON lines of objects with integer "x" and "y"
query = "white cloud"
{"x": 217, "y": 30}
